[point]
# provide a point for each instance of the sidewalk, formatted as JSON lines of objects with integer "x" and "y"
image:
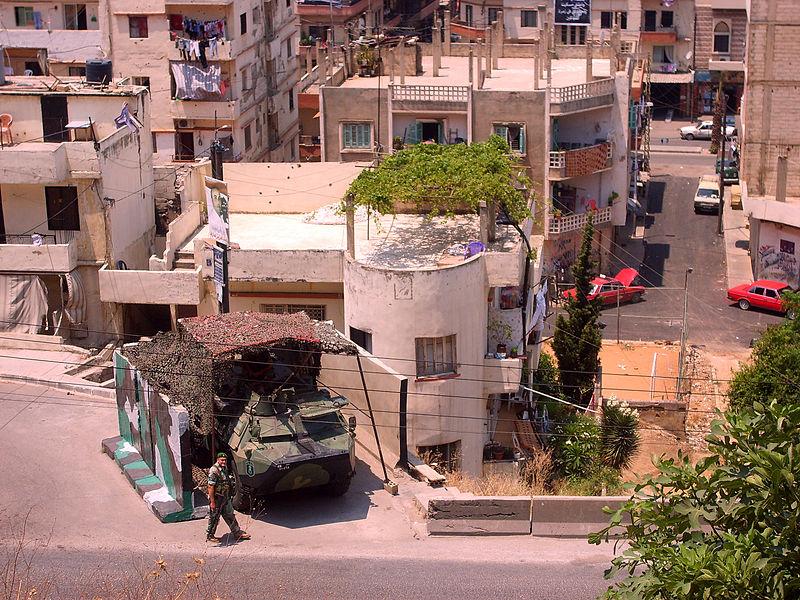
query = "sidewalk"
{"x": 737, "y": 244}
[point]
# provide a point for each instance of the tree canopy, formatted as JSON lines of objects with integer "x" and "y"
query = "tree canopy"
{"x": 444, "y": 179}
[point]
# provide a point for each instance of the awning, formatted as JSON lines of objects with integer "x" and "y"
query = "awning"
{"x": 671, "y": 77}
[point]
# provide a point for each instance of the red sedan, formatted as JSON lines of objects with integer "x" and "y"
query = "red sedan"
{"x": 764, "y": 293}
{"x": 608, "y": 289}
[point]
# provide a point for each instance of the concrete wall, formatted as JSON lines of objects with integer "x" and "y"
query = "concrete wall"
{"x": 776, "y": 251}
{"x": 52, "y": 15}
{"x": 151, "y": 287}
{"x": 341, "y": 374}
{"x": 429, "y": 303}
{"x": 707, "y": 19}
{"x": 339, "y": 105}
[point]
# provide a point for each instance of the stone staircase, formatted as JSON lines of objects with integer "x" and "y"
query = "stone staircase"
{"x": 184, "y": 259}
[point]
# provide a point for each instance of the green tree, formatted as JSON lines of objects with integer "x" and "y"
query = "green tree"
{"x": 576, "y": 342}
{"x": 773, "y": 367}
{"x": 723, "y": 528}
{"x": 445, "y": 179}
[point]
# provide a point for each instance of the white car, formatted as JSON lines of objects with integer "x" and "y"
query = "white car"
{"x": 702, "y": 131}
{"x": 706, "y": 199}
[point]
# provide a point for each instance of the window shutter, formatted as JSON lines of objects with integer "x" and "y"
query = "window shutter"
{"x": 347, "y": 142}
{"x": 363, "y": 140}
{"x": 522, "y": 145}
{"x": 502, "y": 131}
{"x": 413, "y": 133}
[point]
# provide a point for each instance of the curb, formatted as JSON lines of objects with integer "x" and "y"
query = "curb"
{"x": 88, "y": 389}
{"x": 676, "y": 149}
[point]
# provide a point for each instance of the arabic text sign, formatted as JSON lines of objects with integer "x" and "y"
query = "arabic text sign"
{"x": 573, "y": 12}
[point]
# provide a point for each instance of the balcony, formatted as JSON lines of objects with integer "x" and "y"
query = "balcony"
{"x": 501, "y": 375}
{"x": 182, "y": 286}
{"x": 582, "y": 96}
{"x": 564, "y": 224}
{"x": 565, "y": 164}
{"x": 39, "y": 253}
{"x": 206, "y": 109}
{"x": 310, "y": 148}
{"x": 430, "y": 97}
{"x": 45, "y": 163}
{"x": 660, "y": 36}
{"x": 226, "y": 51}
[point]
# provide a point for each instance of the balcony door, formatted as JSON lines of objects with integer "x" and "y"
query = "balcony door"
{"x": 184, "y": 145}
{"x": 54, "y": 118}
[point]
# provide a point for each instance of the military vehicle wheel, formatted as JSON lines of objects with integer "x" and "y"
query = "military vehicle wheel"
{"x": 338, "y": 487}
{"x": 242, "y": 500}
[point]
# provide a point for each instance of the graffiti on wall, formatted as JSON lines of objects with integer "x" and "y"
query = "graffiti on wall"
{"x": 779, "y": 263}
{"x": 563, "y": 255}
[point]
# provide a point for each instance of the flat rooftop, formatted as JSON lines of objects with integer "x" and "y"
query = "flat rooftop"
{"x": 388, "y": 241}
{"x": 65, "y": 85}
{"x": 513, "y": 74}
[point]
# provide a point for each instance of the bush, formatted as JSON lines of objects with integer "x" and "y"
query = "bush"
{"x": 599, "y": 480}
{"x": 619, "y": 436}
{"x": 578, "y": 445}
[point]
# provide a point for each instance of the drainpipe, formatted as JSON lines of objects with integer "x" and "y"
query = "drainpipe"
{"x": 351, "y": 226}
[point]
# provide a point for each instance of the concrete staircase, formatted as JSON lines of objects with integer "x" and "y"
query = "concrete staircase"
{"x": 184, "y": 259}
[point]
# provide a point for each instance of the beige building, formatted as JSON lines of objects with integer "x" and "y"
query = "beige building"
{"x": 421, "y": 308}
{"x": 339, "y": 22}
{"x": 49, "y": 38}
{"x": 77, "y": 194}
{"x": 770, "y": 140}
{"x": 224, "y": 68}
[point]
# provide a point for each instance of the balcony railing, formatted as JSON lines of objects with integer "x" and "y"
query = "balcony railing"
{"x": 38, "y": 239}
{"x": 581, "y": 91}
{"x": 565, "y": 164}
{"x": 430, "y": 93}
{"x": 558, "y": 225}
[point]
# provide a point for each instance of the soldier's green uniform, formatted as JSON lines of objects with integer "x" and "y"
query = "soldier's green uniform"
{"x": 221, "y": 480}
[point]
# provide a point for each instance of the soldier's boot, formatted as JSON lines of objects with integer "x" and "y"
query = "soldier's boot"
{"x": 242, "y": 535}
{"x": 213, "y": 538}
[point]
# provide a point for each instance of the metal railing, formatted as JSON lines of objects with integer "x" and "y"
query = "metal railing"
{"x": 581, "y": 91}
{"x": 557, "y": 225}
{"x": 61, "y": 236}
{"x": 430, "y": 93}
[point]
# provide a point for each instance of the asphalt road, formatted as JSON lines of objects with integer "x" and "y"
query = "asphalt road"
{"x": 84, "y": 575}
{"x": 677, "y": 238}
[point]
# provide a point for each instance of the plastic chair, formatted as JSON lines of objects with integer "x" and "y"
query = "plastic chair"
{"x": 5, "y": 129}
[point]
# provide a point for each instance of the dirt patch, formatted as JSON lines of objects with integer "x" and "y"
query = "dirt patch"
{"x": 640, "y": 370}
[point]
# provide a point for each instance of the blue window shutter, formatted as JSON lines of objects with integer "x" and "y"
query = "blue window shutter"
{"x": 347, "y": 135}
{"x": 522, "y": 146}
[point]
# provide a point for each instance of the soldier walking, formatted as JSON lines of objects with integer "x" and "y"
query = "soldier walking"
{"x": 220, "y": 504}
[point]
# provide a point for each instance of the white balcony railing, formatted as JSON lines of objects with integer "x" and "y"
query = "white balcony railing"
{"x": 582, "y": 91}
{"x": 430, "y": 93}
{"x": 568, "y": 223}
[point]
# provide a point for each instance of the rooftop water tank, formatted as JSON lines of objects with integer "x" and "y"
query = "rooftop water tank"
{"x": 98, "y": 70}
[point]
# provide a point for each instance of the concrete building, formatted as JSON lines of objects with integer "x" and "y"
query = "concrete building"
{"x": 339, "y": 22}
{"x": 569, "y": 126}
{"x": 47, "y": 38}
{"x": 219, "y": 67}
{"x": 421, "y": 308}
{"x": 770, "y": 139}
{"x": 77, "y": 196}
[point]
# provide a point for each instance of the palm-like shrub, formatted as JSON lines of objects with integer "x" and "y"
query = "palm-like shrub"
{"x": 619, "y": 435}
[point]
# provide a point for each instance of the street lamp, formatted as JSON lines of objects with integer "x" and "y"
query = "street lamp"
{"x": 684, "y": 329}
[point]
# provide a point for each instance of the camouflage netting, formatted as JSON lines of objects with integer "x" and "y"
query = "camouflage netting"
{"x": 190, "y": 364}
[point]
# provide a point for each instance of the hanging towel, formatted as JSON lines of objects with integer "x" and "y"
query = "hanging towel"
{"x": 194, "y": 83}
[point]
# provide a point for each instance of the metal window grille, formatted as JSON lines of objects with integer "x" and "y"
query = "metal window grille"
{"x": 436, "y": 356}
{"x": 314, "y": 311}
{"x": 356, "y": 135}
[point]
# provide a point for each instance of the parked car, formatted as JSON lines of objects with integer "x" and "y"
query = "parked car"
{"x": 706, "y": 198}
{"x": 731, "y": 176}
{"x": 764, "y": 293}
{"x": 609, "y": 288}
{"x": 702, "y": 131}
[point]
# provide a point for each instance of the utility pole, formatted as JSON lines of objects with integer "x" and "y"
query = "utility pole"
{"x": 221, "y": 248}
{"x": 684, "y": 330}
{"x": 721, "y": 156}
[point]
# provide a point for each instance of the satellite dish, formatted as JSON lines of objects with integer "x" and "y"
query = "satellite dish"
{"x": 689, "y": 55}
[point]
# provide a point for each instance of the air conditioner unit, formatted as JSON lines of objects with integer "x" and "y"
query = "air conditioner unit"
{"x": 183, "y": 123}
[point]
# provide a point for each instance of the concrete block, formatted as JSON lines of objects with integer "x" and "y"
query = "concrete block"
{"x": 109, "y": 445}
{"x": 571, "y": 516}
{"x": 478, "y": 527}
{"x": 495, "y": 508}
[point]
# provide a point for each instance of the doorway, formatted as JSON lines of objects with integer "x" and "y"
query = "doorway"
{"x": 54, "y": 118}
{"x": 184, "y": 145}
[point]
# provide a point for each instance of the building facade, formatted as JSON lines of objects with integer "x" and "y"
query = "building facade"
{"x": 770, "y": 140}
{"x": 224, "y": 69}
{"x": 46, "y": 38}
{"x": 77, "y": 197}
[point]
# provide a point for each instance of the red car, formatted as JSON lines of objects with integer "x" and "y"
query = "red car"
{"x": 764, "y": 293}
{"x": 608, "y": 289}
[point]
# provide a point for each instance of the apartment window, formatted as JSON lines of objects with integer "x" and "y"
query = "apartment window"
{"x": 468, "y": 14}
{"x": 436, "y": 356}
{"x": 622, "y": 18}
{"x": 288, "y": 3}
{"x": 23, "y": 16}
{"x": 513, "y": 134}
{"x": 62, "y": 208}
{"x": 722, "y": 38}
{"x": 572, "y": 35}
{"x": 289, "y": 47}
{"x": 314, "y": 311}
{"x": 663, "y": 54}
{"x": 248, "y": 140}
{"x": 290, "y": 95}
{"x": 254, "y": 74}
{"x": 528, "y": 18}
{"x": 667, "y": 19}
{"x": 77, "y": 71}
{"x": 245, "y": 76}
{"x": 154, "y": 139}
{"x": 492, "y": 14}
{"x": 650, "y": 20}
{"x": 242, "y": 23}
{"x": 361, "y": 338}
{"x": 607, "y": 19}
{"x": 258, "y": 124}
{"x": 356, "y": 135}
{"x": 137, "y": 26}
{"x": 445, "y": 457}
{"x": 75, "y": 16}
{"x": 142, "y": 81}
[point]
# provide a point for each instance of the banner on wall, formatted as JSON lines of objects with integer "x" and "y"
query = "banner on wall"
{"x": 573, "y": 12}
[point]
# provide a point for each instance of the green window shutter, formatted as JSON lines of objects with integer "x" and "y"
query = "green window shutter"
{"x": 522, "y": 146}
{"x": 347, "y": 132}
{"x": 413, "y": 133}
{"x": 502, "y": 131}
{"x": 440, "y": 135}
{"x": 365, "y": 135}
